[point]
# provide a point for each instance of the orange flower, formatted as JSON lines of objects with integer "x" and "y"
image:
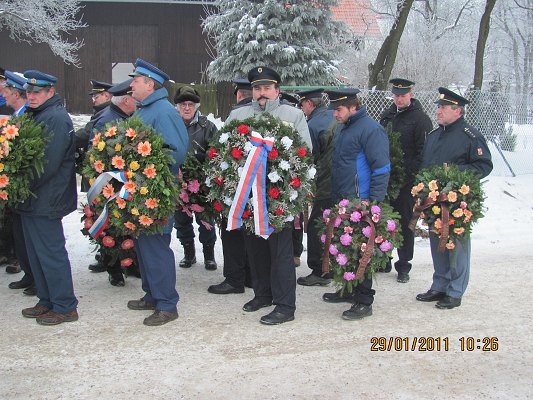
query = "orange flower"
{"x": 1, "y": 167}
{"x": 458, "y": 213}
{"x": 438, "y": 223}
{"x": 433, "y": 185}
{"x": 146, "y": 221}
{"x": 99, "y": 166}
{"x": 130, "y": 225}
{"x": 131, "y": 133}
{"x": 4, "y": 120}
{"x": 464, "y": 190}
{"x": 150, "y": 172}
{"x": 108, "y": 191}
{"x": 151, "y": 203}
{"x": 4, "y": 181}
{"x": 118, "y": 162}
{"x": 11, "y": 131}
{"x": 433, "y": 195}
{"x": 96, "y": 138}
{"x": 450, "y": 245}
{"x": 468, "y": 214}
{"x": 452, "y": 197}
{"x": 130, "y": 187}
{"x": 3, "y": 195}
{"x": 452, "y": 221}
{"x": 144, "y": 148}
{"x": 111, "y": 131}
{"x": 5, "y": 149}
{"x": 121, "y": 203}
{"x": 459, "y": 231}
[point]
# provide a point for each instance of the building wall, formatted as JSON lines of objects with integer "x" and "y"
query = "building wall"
{"x": 167, "y": 35}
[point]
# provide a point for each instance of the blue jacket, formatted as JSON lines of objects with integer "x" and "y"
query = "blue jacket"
{"x": 319, "y": 121}
{"x": 108, "y": 114}
{"x": 55, "y": 189}
{"x": 157, "y": 111}
{"x": 360, "y": 165}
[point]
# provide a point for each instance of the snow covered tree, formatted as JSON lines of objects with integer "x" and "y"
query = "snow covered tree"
{"x": 43, "y": 21}
{"x": 295, "y": 37}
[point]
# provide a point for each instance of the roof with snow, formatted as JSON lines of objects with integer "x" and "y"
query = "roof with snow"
{"x": 359, "y": 16}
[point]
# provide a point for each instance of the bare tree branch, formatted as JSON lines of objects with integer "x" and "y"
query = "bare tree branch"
{"x": 448, "y": 28}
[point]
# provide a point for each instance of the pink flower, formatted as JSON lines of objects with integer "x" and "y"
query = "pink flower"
{"x": 326, "y": 213}
{"x": 126, "y": 262}
{"x": 366, "y": 231}
{"x": 463, "y": 205}
{"x": 197, "y": 208}
{"x": 194, "y": 186}
{"x": 108, "y": 241}
{"x": 346, "y": 239}
{"x": 375, "y": 218}
{"x": 333, "y": 250}
{"x": 348, "y": 229}
{"x": 385, "y": 246}
{"x": 323, "y": 238}
{"x": 343, "y": 203}
{"x": 391, "y": 225}
{"x": 88, "y": 223}
{"x": 184, "y": 196}
{"x": 87, "y": 211}
{"x": 379, "y": 239}
{"x": 342, "y": 210}
{"x": 375, "y": 209}
{"x": 338, "y": 221}
{"x": 341, "y": 259}
{"x": 355, "y": 216}
{"x": 349, "y": 276}
{"x": 127, "y": 244}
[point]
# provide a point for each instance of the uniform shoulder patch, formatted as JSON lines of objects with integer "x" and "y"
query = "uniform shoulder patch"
{"x": 469, "y": 132}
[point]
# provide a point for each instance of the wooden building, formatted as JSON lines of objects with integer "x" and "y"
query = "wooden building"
{"x": 167, "y": 34}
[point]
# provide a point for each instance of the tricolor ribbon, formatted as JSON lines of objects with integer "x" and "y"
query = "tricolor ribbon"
{"x": 253, "y": 178}
{"x": 100, "y": 224}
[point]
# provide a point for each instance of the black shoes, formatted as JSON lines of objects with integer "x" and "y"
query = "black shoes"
{"x": 313, "y": 280}
{"x": 190, "y": 255}
{"x": 403, "y": 277}
{"x": 14, "y": 268}
{"x": 337, "y": 297}
{"x": 276, "y": 318}
{"x": 117, "y": 279}
{"x": 140, "y": 305}
{"x": 160, "y": 318}
{"x": 448, "y": 302}
{"x": 256, "y": 304}
{"x": 430, "y": 295}
{"x": 209, "y": 257}
{"x": 224, "y": 288}
{"x": 357, "y": 311}
{"x": 19, "y": 285}
{"x": 30, "y": 291}
{"x": 97, "y": 267}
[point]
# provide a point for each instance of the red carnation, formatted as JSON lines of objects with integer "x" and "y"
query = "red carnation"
{"x": 126, "y": 262}
{"x": 273, "y": 192}
{"x": 246, "y": 214}
{"x": 302, "y": 152}
{"x": 212, "y": 153}
{"x": 295, "y": 182}
{"x": 279, "y": 211}
{"x": 236, "y": 153}
{"x": 127, "y": 244}
{"x": 88, "y": 223}
{"x": 243, "y": 129}
{"x": 108, "y": 241}
{"x": 217, "y": 206}
{"x": 273, "y": 154}
{"x": 219, "y": 181}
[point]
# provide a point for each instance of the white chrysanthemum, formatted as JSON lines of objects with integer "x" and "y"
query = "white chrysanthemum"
{"x": 223, "y": 138}
{"x": 294, "y": 195}
{"x": 285, "y": 165}
{"x": 311, "y": 173}
{"x": 289, "y": 218}
{"x": 287, "y": 142}
{"x": 248, "y": 147}
{"x": 273, "y": 176}
{"x": 228, "y": 201}
{"x": 224, "y": 165}
{"x": 208, "y": 182}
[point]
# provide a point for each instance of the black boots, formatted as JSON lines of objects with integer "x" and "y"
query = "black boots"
{"x": 190, "y": 255}
{"x": 209, "y": 257}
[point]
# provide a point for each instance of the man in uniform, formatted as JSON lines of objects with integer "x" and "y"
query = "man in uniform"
{"x": 453, "y": 142}
{"x": 319, "y": 120}
{"x": 360, "y": 168}
{"x": 406, "y": 117}
{"x": 271, "y": 260}
{"x": 200, "y": 131}
{"x": 242, "y": 92}
{"x": 156, "y": 258}
{"x": 15, "y": 96}
{"x": 55, "y": 197}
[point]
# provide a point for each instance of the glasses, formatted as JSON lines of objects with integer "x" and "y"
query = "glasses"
{"x": 187, "y": 104}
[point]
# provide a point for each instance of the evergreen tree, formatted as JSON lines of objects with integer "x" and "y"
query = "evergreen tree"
{"x": 298, "y": 38}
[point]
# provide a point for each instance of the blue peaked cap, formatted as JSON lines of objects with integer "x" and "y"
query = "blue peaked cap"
{"x": 36, "y": 80}
{"x": 14, "y": 80}
{"x": 144, "y": 68}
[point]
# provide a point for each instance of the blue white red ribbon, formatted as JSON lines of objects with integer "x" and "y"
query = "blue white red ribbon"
{"x": 253, "y": 178}
{"x": 101, "y": 223}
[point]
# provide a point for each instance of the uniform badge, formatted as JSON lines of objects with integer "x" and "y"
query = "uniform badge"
{"x": 479, "y": 151}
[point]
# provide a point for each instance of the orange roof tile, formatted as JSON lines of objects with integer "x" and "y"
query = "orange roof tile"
{"x": 359, "y": 17}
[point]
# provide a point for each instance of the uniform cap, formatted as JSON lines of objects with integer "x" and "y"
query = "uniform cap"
{"x": 263, "y": 76}
{"x": 292, "y": 99}
{"x": 340, "y": 96}
{"x": 401, "y": 86}
{"x": 15, "y": 80}
{"x": 37, "y": 80}
{"x": 99, "y": 87}
{"x": 144, "y": 68}
{"x": 241, "y": 84}
{"x": 121, "y": 89}
{"x": 450, "y": 98}
{"x": 310, "y": 94}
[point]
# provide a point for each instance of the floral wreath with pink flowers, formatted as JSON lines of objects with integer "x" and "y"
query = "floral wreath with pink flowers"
{"x": 22, "y": 146}
{"x": 449, "y": 202}
{"x": 132, "y": 190}
{"x": 259, "y": 173}
{"x": 358, "y": 240}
